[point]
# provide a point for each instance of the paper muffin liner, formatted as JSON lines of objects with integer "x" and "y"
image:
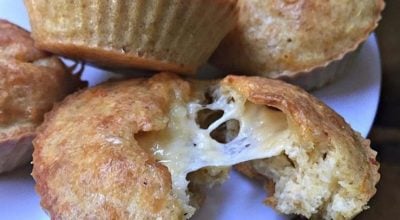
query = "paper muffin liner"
{"x": 174, "y": 35}
{"x": 321, "y": 76}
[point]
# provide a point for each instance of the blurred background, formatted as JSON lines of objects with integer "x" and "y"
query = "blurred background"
{"x": 385, "y": 135}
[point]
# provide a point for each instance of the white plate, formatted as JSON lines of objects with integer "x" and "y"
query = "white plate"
{"x": 355, "y": 96}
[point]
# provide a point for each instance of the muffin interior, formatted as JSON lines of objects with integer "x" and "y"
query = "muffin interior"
{"x": 207, "y": 135}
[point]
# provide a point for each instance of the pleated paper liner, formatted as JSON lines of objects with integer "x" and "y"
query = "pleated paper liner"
{"x": 169, "y": 35}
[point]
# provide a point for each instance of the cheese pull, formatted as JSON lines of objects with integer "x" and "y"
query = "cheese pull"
{"x": 241, "y": 131}
{"x": 144, "y": 149}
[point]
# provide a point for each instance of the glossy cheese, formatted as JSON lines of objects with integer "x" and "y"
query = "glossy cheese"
{"x": 184, "y": 147}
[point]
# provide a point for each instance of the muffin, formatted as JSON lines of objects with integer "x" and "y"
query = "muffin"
{"x": 173, "y": 35}
{"x": 290, "y": 39}
{"x": 144, "y": 148}
{"x": 30, "y": 82}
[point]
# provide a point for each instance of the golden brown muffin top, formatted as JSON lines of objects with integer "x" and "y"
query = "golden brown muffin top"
{"x": 17, "y": 43}
{"x": 88, "y": 163}
{"x": 114, "y": 151}
{"x": 285, "y": 37}
{"x": 30, "y": 81}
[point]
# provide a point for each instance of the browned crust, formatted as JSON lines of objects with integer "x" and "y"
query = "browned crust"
{"x": 302, "y": 73}
{"x": 74, "y": 159}
{"x": 316, "y": 126}
{"x": 16, "y": 43}
{"x": 312, "y": 119}
{"x": 31, "y": 81}
{"x": 111, "y": 57}
{"x": 233, "y": 48}
{"x": 133, "y": 184}
{"x": 363, "y": 37}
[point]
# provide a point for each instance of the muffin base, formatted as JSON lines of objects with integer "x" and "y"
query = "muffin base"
{"x": 321, "y": 76}
{"x": 105, "y": 58}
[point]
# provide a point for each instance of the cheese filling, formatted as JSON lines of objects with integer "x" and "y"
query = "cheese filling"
{"x": 185, "y": 147}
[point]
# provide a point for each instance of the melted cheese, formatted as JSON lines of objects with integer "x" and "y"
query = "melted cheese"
{"x": 184, "y": 147}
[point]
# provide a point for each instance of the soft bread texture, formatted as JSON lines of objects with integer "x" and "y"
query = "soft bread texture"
{"x": 164, "y": 35}
{"x": 30, "y": 82}
{"x": 282, "y": 38}
{"x": 131, "y": 149}
{"x": 321, "y": 176}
